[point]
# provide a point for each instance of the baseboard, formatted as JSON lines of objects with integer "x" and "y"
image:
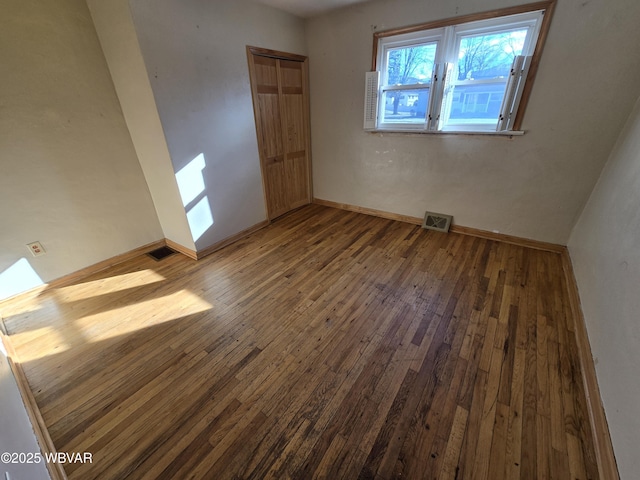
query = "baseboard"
{"x": 369, "y": 211}
{"x": 181, "y": 249}
{"x": 78, "y": 275}
{"x": 605, "y": 456}
{"x": 229, "y": 240}
{"x": 474, "y": 232}
{"x": 56, "y": 472}
{"x": 501, "y": 237}
{"x": 109, "y": 262}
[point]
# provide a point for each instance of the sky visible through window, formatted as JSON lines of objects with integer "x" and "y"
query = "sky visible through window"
{"x": 489, "y": 56}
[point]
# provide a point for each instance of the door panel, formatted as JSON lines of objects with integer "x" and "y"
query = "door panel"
{"x": 291, "y": 77}
{"x": 266, "y": 74}
{"x": 276, "y": 186}
{"x": 294, "y": 121}
{"x": 296, "y": 146}
{"x": 297, "y": 179}
{"x": 271, "y": 126}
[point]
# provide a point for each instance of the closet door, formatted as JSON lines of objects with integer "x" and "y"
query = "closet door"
{"x": 280, "y": 102}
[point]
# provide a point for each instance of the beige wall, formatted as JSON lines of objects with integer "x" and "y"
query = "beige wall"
{"x": 117, "y": 34}
{"x": 605, "y": 249}
{"x": 532, "y": 186}
{"x": 196, "y": 62}
{"x": 69, "y": 176}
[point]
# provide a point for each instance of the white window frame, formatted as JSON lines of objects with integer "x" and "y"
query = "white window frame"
{"x": 448, "y": 34}
{"x": 413, "y": 39}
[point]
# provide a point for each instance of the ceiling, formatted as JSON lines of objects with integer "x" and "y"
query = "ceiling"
{"x": 308, "y": 8}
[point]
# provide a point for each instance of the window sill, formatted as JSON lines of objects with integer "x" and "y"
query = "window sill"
{"x": 512, "y": 133}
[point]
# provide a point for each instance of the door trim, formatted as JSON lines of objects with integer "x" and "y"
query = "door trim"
{"x": 265, "y": 52}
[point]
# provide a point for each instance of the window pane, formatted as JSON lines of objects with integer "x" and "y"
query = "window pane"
{"x": 405, "y": 106}
{"x": 489, "y": 56}
{"x": 410, "y": 65}
{"x": 477, "y": 103}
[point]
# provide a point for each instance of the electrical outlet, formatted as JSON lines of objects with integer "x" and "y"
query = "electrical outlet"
{"x": 36, "y": 249}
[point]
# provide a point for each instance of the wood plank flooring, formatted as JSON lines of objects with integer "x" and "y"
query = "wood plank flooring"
{"x": 330, "y": 344}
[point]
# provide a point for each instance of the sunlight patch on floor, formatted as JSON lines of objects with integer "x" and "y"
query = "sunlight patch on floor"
{"x": 116, "y": 322}
{"x": 51, "y": 339}
{"x": 130, "y": 318}
{"x": 103, "y": 286}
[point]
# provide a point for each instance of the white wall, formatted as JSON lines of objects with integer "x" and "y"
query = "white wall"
{"x": 195, "y": 57}
{"x": 119, "y": 43}
{"x": 16, "y": 432}
{"x": 605, "y": 250}
{"x": 532, "y": 186}
{"x": 69, "y": 176}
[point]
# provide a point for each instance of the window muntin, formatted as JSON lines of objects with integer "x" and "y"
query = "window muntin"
{"x": 472, "y": 79}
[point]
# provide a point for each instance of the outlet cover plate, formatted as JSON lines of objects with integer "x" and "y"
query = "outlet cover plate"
{"x": 36, "y": 249}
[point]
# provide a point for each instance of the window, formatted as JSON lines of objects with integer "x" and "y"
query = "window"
{"x": 470, "y": 74}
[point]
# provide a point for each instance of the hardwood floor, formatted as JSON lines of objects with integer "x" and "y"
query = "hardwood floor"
{"x": 330, "y": 344}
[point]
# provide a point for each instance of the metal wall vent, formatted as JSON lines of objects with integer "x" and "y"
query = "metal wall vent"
{"x": 160, "y": 253}
{"x": 437, "y": 221}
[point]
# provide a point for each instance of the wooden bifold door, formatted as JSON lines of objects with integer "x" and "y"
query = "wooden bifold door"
{"x": 279, "y": 84}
